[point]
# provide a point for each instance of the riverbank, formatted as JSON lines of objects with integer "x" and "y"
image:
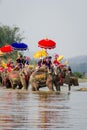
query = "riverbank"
{"x": 81, "y": 80}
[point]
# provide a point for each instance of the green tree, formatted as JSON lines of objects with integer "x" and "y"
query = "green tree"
{"x": 77, "y": 74}
{"x": 9, "y": 34}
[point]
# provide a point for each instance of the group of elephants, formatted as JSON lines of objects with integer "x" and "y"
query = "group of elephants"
{"x": 26, "y": 77}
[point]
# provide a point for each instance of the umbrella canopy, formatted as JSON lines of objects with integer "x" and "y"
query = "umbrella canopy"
{"x": 6, "y": 48}
{"x": 66, "y": 62}
{"x": 1, "y": 53}
{"x": 60, "y": 58}
{"x": 39, "y": 54}
{"x": 4, "y": 65}
{"x": 46, "y": 44}
{"x": 19, "y": 46}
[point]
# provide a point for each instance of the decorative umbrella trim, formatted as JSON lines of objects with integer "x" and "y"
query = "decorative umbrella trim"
{"x": 46, "y": 47}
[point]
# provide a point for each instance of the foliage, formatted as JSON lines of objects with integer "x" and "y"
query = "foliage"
{"x": 9, "y": 34}
{"x": 12, "y": 55}
{"x": 33, "y": 62}
{"x": 77, "y": 74}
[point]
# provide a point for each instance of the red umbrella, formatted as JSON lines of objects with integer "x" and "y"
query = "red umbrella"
{"x": 46, "y": 44}
{"x": 6, "y": 48}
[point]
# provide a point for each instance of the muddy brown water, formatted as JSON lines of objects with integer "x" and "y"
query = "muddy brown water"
{"x": 44, "y": 110}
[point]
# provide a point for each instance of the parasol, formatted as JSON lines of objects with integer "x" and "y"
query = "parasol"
{"x": 47, "y": 44}
{"x": 19, "y": 46}
{"x": 66, "y": 62}
{"x": 6, "y": 48}
{"x": 39, "y": 54}
{"x": 60, "y": 57}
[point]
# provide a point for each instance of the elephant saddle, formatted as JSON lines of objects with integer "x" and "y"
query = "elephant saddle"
{"x": 40, "y": 76}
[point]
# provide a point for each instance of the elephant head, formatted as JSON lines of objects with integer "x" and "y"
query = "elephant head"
{"x": 14, "y": 78}
{"x": 74, "y": 80}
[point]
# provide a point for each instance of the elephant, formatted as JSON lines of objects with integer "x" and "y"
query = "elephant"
{"x": 14, "y": 79}
{"x": 62, "y": 76}
{"x": 68, "y": 79}
{"x": 42, "y": 78}
{"x": 18, "y": 78}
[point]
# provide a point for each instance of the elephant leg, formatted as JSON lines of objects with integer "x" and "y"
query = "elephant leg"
{"x": 69, "y": 87}
{"x": 20, "y": 86}
{"x": 34, "y": 86}
{"x": 50, "y": 85}
{"x": 23, "y": 81}
{"x": 8, "y": 84}
{"x": 57, "y": 86}
{"x": 33, "y": 89}
{"x": 27, "y": 84}
{"x": 24, "y": 84}
{"x": 14, "y": 86}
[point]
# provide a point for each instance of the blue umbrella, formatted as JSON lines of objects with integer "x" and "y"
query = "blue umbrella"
{"x": 19, "y": 46}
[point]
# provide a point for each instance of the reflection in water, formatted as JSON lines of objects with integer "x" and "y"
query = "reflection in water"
{"x": 50, "y": 110}
{"x": 32, "y": 110}
{"x": 38, "y": 110}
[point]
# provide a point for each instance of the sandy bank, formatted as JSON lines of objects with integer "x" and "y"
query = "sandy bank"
{"x": 82, "y": 80}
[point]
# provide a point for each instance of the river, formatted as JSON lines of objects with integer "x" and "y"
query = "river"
{"x": 44, "y": 110}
